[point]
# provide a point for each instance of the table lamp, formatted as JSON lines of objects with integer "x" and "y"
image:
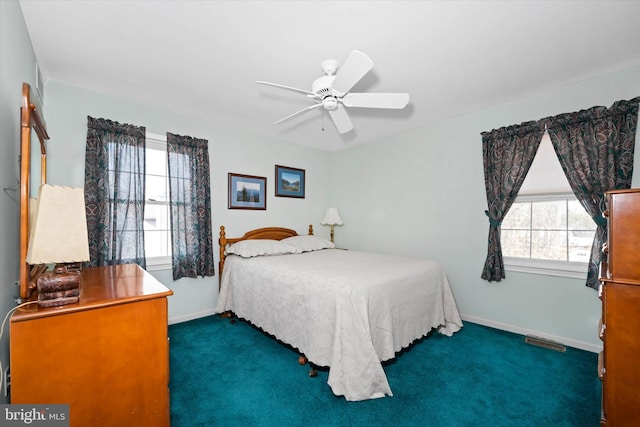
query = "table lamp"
{"x": 332, "y": 218}
{"x": 59, "y": 236}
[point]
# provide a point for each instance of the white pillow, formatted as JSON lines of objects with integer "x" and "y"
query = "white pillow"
{"x": 308, "y": 243}
{"x": 259, "y": 247}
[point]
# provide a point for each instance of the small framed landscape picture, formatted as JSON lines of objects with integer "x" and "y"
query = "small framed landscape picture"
{"x": 289, "y": 182}
{"x": 247, "y": 192}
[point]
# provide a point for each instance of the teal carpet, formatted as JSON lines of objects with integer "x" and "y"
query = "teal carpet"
{"x": 225, "y": 374}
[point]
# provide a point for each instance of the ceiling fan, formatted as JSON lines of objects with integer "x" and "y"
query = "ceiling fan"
{"x": 331, "y": 91}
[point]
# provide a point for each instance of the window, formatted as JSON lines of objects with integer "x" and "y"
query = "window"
{"x": 552, "y": 231}
{"x": 547, "y": 231}
{"x": 157, "y": 223}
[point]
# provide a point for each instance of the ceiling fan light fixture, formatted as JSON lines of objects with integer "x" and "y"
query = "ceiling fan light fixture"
{"x": 330, "y": 103}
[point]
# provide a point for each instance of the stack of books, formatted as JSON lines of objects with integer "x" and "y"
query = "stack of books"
{"x": 55, "y": 289}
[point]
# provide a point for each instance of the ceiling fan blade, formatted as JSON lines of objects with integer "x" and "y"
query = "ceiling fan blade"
{"x": 341, "y": 119}
{"x": 354, "y": 68}
{"x": 297, "y": 113}
{"x": 376, "y": 100}
{"x": 306, "y": 92}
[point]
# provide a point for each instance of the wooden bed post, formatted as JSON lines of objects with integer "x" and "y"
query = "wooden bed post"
{"x": 222, "y": 244}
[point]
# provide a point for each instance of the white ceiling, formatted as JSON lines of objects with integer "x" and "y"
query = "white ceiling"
{"x": 452, "y": 57}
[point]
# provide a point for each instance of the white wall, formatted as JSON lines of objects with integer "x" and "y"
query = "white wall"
{"x": 422, "y": 193}
{"x": 230, "y": 150}
{"x": 17, "y": 65}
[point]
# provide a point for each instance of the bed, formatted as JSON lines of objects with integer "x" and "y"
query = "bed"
{"x": 342, "y": 309}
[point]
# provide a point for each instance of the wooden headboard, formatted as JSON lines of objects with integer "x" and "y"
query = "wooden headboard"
{"x": 274, "y": 233}
{"x": 30, "y": 119}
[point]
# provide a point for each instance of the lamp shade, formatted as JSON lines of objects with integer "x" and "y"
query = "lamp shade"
{"x": 59, "y": 232}
{"x": 331, "y": 217}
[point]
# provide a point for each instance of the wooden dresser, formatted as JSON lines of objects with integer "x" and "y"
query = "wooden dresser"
{"x": 106, "y": 356}
{"x": 619, "y": 362}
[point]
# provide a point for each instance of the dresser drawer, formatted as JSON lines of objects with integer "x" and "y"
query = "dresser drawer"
{"x": 623, "y": 235}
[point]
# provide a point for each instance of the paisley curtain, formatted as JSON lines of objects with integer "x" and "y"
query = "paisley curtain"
{"x": 190, "y": 206}
{"x": 114, "y": 192}
{"x": 507, "y": 154}
{"x": 596, "y": 148}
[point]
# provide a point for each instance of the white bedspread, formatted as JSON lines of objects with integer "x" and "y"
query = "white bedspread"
{"x": 347, "y": 310}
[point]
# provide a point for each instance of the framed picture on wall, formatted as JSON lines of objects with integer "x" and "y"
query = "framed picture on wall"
{"x": 289, "y": 182}
{"x": 247, "y": 192}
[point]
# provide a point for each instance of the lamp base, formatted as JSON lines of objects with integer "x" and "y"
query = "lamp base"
{"x": 59, "y": 287}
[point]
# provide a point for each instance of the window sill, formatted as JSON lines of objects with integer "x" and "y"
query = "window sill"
{"x": 574, "y": 270}
{"x": 159, "y": 263}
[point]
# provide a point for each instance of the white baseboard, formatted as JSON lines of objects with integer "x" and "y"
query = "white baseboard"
{"x": 522, "y": 331}
{"x": 191, "y": 316}
{"x": 490, "y": 323}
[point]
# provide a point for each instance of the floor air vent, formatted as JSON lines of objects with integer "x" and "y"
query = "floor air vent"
{"x": 545, "y": 343}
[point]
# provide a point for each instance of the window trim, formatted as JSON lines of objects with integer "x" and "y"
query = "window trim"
{"x": 575, "y": 270}
{"x": 157, "y": 142}
{"x": 571, "y": 269}
{"x": 159, "y": 263}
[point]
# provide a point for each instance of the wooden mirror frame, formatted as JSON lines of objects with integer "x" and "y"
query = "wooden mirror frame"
{"x": 30, "y": 118}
